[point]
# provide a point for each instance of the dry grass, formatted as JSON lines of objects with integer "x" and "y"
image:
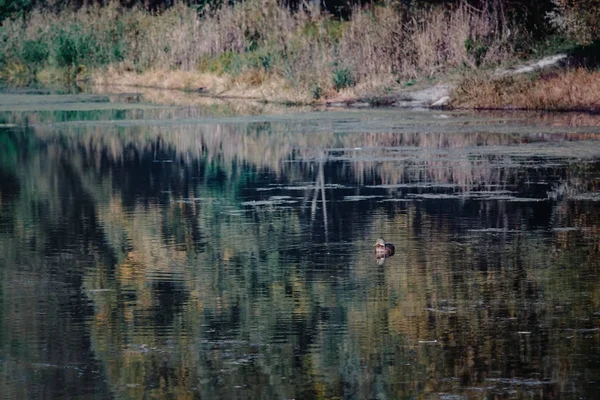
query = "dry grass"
{"x": 381, "y": 43}
{"x": 159, "y": 79}
{"x": 252, "y": 84}
{"x": 257, "y": 48}
{"x": 577, "y": 89}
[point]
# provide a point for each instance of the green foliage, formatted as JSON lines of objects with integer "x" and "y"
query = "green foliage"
{"x": 317, "y": 92}
{"x": 15, "y": 8}
{"x": 236, "y": 63}
{"x": 66, "y": 52}
{"x": 266, "y": 61}
{"x": 554, "y": 44}
{"x": 226, "y": 62}
{"x": 588, "y": 55}
{"x": 116, "y": 38}
{"x": 3, "y": 60}
{"x": 74, "y": 47}
{"x": 252, "y": 39}
{"x": 579, "y": 19}
{"x": 264, "y": 58}
{"x": 231, "y": 63}
{"x": 35, "y": 52}
{"x": 476, "y": 49}
{"x": 329, "y": 28}
{"x": 343, "y": 78}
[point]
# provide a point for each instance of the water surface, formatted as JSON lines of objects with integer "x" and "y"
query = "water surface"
{"x": 152, "y": 251}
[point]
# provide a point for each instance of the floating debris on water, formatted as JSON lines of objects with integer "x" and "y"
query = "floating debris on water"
{"x": 494, "y": 230}
{"x": 399, "y": 200}
{"x": 586, "y": 197}
{"x": 414, "y": 185}
{"x": 191, "y": 200}
{"x": 358, "y": 198}
{"x": 270, "y": 202}
{"x": 448, "y": 310}
{"x": 523, "y": 382}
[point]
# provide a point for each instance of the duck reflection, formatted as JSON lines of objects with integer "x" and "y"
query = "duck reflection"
{"x": 383, "y": 250}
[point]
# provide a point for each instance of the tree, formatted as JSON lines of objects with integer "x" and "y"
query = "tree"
{"x": 579, "y": 19}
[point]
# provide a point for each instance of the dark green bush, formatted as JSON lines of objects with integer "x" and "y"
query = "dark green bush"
{"x": 266, "y": 61}
{"x": 342, "y": 78}
{"x": 34, "y": 55}
{"x": 66, "y": 51}
{"x": 15, "y": 8}
{"x": 317, "y": 92}
{"x": 35, "y": 52}
{"x": 476, "y": 49}
{"x": 74, "y": 48}
{"x": 117, "y": 51}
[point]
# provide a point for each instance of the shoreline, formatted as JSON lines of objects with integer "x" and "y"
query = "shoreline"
{"x": 562, "y": 89}
{"x": 520, "y": 82}
{"x": 262, "y": 51}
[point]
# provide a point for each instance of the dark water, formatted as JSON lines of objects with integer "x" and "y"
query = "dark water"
{"x": 173, "y": 252}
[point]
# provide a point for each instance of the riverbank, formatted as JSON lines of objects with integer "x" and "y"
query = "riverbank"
{"x": 445, "y": 56}
{"x": 256, "y": 48}
{"x": 544, "y": 84}
{"x": 555, "y": 90}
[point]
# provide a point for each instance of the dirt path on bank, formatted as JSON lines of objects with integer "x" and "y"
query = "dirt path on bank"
{"x": 439, "y": 95}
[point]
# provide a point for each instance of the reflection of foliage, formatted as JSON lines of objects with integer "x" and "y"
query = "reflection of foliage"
{"x": 11, "y": 143}
{"x": 260, "y": 303}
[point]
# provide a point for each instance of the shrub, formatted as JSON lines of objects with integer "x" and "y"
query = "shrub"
{"x": 476, "y": 49}
{"x": 74, "y": 47}
{"x": 579, "y": 19}
{"x": 342, "y": 78}
{"x": 34, "y": 53}
{"x": 66, "y": 51}
{"x": 317, "y": 92}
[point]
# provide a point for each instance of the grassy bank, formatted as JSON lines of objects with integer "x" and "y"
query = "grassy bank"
{"x": 262, "y": 50}
{"x": 254, "y": 48}
{"x": 561, "y": 90}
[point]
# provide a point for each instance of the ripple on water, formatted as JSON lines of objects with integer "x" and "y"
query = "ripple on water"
{"x": 157, "y": 253}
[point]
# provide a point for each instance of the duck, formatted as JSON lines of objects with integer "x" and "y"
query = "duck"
{"x": 384, "y": 249}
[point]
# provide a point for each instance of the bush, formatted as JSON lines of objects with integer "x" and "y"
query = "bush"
{"x": 35, "y": 52}
{"x": 317, "y": 92}
{"x": 66, "y": 54}
{"x": 476, "y": 49}
{"x": 74, "y": 48}
{"x": 579, "y": 19}
{"x": 342, "y": 78}
{"x": 15, "y": 8}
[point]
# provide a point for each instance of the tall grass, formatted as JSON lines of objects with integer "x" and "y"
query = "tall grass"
{"x": 256, "y": 43}
{"x": 577, "y": 89}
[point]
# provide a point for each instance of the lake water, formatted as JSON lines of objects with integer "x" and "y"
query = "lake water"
{"x": 226, "y": 251}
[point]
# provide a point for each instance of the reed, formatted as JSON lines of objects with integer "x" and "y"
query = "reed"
{"x": 254, "y": 48}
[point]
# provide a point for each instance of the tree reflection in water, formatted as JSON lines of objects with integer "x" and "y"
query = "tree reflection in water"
{"x": 234, "y": 260}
